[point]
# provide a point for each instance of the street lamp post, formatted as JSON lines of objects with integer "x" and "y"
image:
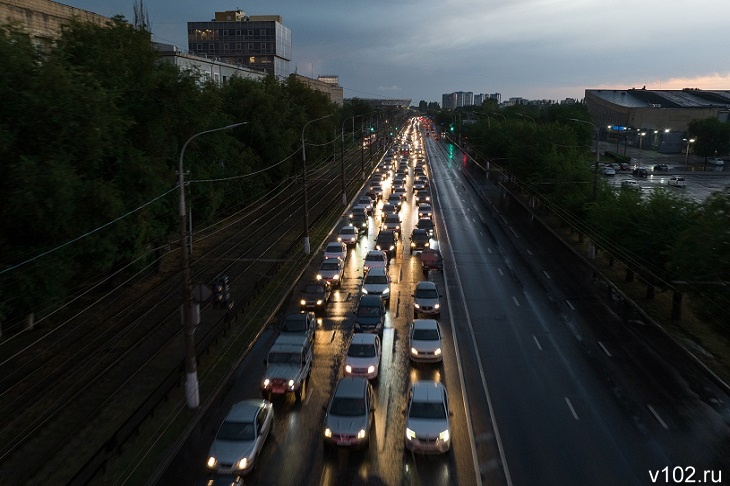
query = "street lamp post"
{"x": 598, "y": 156}
{"x": 686, "y": 157}
{"x": 192, "y": 394}
{"x": 641, "y": 139}
{"x": 528, "y": 116}
{"x": 499, "y": 114}
{"x": 344, "y": 193}
{"x": 304, "y": 184}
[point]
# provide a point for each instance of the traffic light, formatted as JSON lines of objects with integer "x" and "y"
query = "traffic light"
{"x": 372, "y": 129}
{"x": 451, "y": 127}
{"x": 222, "y": 293}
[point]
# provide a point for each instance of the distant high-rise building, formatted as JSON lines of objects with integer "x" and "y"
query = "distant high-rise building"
{"x": 448, "y": 101}
{"x": 258, "y": 42}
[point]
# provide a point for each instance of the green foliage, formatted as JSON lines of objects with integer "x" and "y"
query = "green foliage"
{"x": 712, "y": 137}
{"x": 90, "y": 137}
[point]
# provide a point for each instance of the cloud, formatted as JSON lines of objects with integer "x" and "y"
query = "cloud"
{"x": 393, "y": 87}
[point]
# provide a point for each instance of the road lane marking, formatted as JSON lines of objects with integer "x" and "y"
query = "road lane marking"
{"x": 572, "y": 410}
{"x": 656, "y": 416}
{"x": 546, "y": 274}
{"x": 500, "y": 271}
{"x": 537, "y": 342}
{"x": 569, "y": 304}
{"x": 514, "y": 299}
{"x": 514, "y": 232}
{"x": 528, "y": 252}
{"x": 604, "y": 348}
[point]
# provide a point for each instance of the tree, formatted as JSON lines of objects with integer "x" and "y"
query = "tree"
{"x": 712, "y": 137}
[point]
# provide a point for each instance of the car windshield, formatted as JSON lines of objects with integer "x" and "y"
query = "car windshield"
{"x": 236, "y": 431}
{"x": 348, "y": 230}
{"x": 284, "y": 358}
{"x": 426, "y": 335}
{"x": 313, "y": 289}
{"x": 361, "y": 351}
{"x": 295, "y": 325}
{"x": 329, "y": 265}
{"x": 427, "y": 410}
{"x": 385, "y": 238}
{"x": 334, "y": 248}
{"x": 349, "y": 407}
{"x": 426, "y": 294}
{"x": 376, "y": 279}
{"x": 368, "y": 311}
{"x": 374, "y": 258}
{"x": 392, "y": 219}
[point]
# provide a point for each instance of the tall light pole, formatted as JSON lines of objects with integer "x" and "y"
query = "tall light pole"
{"x": 528, "y": 116}
{"x": 598, "y": 156}
{"x": 686, "y": 157}
{"x": 344, "y": 193}
{"x": 641, "y": 139}
{"x": 192, "y": 394}
{"x": 499, "y": 114}
{"x": 304, "y": 184}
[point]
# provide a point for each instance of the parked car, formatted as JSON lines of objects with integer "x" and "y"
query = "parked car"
{"x": 335, "y": 249}
{"x": 426, "y": 298}
{"x": 288, "y": 366}
{"x": 428, "y": 429}
{"x": 363, "y": 356}
{"x": 716, "y": 161}
{"x": 677, "y": 181}
{"x": 640, "y": 172}
{"x": 661, "y": 167}
{"x": 375, "y": 259}
{"x": 241, "y": 437}
{"x": 630, "y": 184}
{"x": 349, "y": 417}
{"x": 609, "y": 171}
{"x": 331, "y": 270}
{"x": 425, "y": 341}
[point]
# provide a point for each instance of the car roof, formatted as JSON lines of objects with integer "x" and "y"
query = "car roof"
{"x": 297, "y": 316}
{"x": 351, "y": 387}
{"x": 425, "y": 284}
{"x": 348, "y": 229}
{"x": 291, "y": 340}
{"x": 337, "y": 244}
{"x": 244, "y": 411}
{"x": 379, "y": 253}
{"x": 428, "y": 391}
{"x": 370, "y": 300}
{"x": 419, "y": 231}
{"x": 425, "y": 324}
{"x": 378, "y": 270}
{"x": 363, "y": 338}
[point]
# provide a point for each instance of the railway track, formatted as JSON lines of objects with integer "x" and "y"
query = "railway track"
{"x": 95, "y": 366}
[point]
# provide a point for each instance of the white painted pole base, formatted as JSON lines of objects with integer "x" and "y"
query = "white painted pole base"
{"x": 306, "y": 245}
{"x": 344, "y": 199}
{"x": 191, "y": 390}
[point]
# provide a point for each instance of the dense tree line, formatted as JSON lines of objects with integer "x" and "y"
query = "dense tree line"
{"x": 91, "y": 130}
{"x": 667, "y": 238}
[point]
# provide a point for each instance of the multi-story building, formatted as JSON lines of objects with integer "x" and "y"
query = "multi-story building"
{"x": 206, "y": 68}
{"x": 328, "y": 84}
{"x": 258, "y": 42}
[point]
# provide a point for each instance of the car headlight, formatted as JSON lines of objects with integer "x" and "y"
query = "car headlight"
{"x": 436, "y": 306}
{"x": 339, "y": 238}
{"x": 212, "y": 461}
{"x": 267, "y": 382}
{"x": 319, "y": 277}
{"x": 336, "y": 277}
{"x": 348, "y": 369}
{"x": 243, "y": 463}
{"x": 327, "y": 432}
{"x": 361, "y": 434}
{"x": 386, "y": 290}
{"x": 445, "y": 436}
{"x": 371, "y": 369}
{"x": 291, "y": 383}
{"x": 377, "y": 247}
{"x": 437, "y": 352}
{"x": 427, "y": 244}
{"x": 414, "y": 351}
{"x": 410, "y": 435}
{"x": 416, "y": 306}
{"x": 303, "y": 302}
{"x": 413, "y": 244}
{"x": 392, "y": 247}
{"x": 320, "y": 301}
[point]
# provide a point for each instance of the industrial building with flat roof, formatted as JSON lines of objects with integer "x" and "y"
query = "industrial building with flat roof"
{"x": 662, "y": 116}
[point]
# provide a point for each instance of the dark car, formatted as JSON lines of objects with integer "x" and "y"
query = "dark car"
{"x": 640, "y": 172}
{"x": 370, "y": 314}
{"x": 426, "y": 224}
{"x": 661, "y": 167}
{"x": 315, "y": 296}
{"x": 387, "y": 241}
{"x": 359, "y": 219}
{"x": 420, "y": 240}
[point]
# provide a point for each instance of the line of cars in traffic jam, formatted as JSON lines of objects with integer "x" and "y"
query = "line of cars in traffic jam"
{"x": 349, "y": 415}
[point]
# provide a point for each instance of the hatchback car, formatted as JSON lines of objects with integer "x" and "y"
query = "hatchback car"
{"x": 241, "y": 437}
{"x": 348, "y": 235}
{"x": 426, "y": 298}
{"x": 377, "y": 282}
{"x": 428, "y": 428}
{"x": 349, "y": 417}
{"x": 425, "y": 341}
{"x": 331, "y": 271}
{"x": 375, "y": 259}
{"x": 335, "y": 249}
{"x": 315, "y": 296}
{"x": 363, "y": 356}
{"x": 677, "y": 181}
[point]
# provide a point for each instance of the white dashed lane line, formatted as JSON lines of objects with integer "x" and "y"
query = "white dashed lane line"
{"x": 656, "y": 416}
{"x": 537, "y": 342}
{"x": 572, "y": 410}
{"x": 605, "y": 350}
